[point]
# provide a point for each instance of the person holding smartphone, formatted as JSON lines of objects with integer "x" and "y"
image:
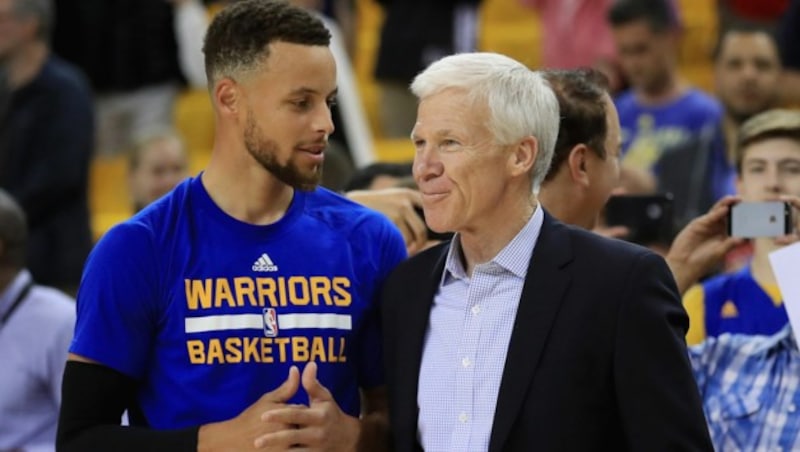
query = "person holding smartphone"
{"x": 768, "y": 168}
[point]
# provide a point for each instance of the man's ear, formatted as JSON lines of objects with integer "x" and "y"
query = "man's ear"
{"x": 228, "y": 97}
{"x": 523, "y": 158}
{"x": 576, "y": 162}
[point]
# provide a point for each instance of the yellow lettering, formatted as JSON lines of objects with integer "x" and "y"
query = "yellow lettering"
{"x": 321, "y": 288}
{"x": 266, "y": 350}
{"x": 317, "y": 349}
{"x": 332, "y": 358}
{"x": 282, "y": 290}
{"x": 244, "y": 286}
{"x": 197, "y": 353}
{"x": 266, "y": 289}
{"x": 282, "y": 342}
{"x": 233, "y": 346}
{"x": 251, "y": 350}
{"x": 342, "y": 355}
{"x": 340, "y": 284}
{"x": 302, "y": 298}
{"x": 223, "y": 292}
{"x": 198, "y": 292}
{"x": 215, "y": 352}
{"x": 299, "y": 349}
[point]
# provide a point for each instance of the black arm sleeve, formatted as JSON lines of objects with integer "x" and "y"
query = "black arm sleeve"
{"x": 93, "y": 398}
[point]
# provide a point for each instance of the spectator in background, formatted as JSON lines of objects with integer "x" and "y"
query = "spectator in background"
{"x": 585, "y": 169}
{"x": 749, "y": 301}
{"x": 414, "y": 34}
{"x": 36, "y": 325}
{"x": 46, "y": 135}
{"x": 137, "y": 54}
{"x": 157, "y": 163}
{"x": 660, "y": 111}
{"x": 576, "y": 34}
{"x": 789, "y": 39}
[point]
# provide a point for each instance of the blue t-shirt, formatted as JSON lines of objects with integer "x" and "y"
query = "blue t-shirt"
{"x": 736, "y": 303}
{"x": 208, "y": 313}
{"x": 647, "y": 131}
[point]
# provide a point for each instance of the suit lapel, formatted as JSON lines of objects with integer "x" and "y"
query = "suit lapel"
{"x": 415, "y": 323}
{"x": 545, "y": 286}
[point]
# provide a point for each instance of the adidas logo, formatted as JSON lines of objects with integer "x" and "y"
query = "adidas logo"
{"x": 264, "y": 264}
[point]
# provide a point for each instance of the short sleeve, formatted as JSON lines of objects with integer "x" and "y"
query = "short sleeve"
{"x": 117, "y": 305}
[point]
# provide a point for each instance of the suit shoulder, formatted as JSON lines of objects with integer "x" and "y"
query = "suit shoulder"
{"x": 588, "y": 243}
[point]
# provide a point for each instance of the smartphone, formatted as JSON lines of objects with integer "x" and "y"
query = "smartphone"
{"x": 649, "y": 218}
{"x": 760, "y": 219}
{"x": 433, "y": 235}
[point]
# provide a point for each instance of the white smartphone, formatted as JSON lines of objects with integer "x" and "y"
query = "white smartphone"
{"x": 760, "y": 219}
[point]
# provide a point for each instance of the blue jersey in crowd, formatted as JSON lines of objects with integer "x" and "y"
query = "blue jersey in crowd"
{"x": 209, "y": 313}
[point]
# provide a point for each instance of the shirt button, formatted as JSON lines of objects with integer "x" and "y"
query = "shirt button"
{"x": 463, "y": 418}
{"x": 465, "y": 362}
{"x": 476, "y": 310}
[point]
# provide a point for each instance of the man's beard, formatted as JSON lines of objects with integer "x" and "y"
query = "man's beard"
{"x": 264, "y": 150}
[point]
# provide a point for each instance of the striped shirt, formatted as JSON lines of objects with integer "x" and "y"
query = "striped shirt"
{"x": 466, "y": 343}
{"x": 751, "y": 391}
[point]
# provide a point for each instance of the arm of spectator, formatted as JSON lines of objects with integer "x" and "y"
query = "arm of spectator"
{"x": 323, "y": 424}
{"x": 398, "y": 204}
{"x": 701, "y": 245}
{"x": 95, "y": 396}
{"x": 191, "y": 23}
{"x": 612, "y": 232}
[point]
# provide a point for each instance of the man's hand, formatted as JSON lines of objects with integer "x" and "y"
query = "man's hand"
{"x": 320, "y": 427}
{"x": 702, "y": 244}
{"x": 398, "y": 204}
{"x": 240, "y": 433}
{"x": 794, "y": 235}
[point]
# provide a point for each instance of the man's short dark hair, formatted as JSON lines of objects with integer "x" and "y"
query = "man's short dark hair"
{"x": 658, "y": 14}
{"x": 743, "y": 29}
{"x": 238, "y": 38}
{"x": 581, "y": 100}
{"x": 41, "y": 10}
{"x": 13, "y": 232}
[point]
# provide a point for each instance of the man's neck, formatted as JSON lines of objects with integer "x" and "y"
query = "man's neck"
{"x": 760, "y": 266}
{"x": 560, "y": 201}
{"x": 25, "y": 64}
{"x": 243, "y": 189}
{"x": 7, "y": 276}
{"x": 670, "y": 89}
{"x": 730, "y": 128}
{"x": 481, "y": 246}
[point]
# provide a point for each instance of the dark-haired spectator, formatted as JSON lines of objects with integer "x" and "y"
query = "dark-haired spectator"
{"x": 660, "y": 111}
{"x": 46, "y": 136}
{"x": 196, "y": 313}
{"x": 36, "y": 325}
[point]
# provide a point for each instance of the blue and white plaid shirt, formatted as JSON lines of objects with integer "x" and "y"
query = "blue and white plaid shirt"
{"x": 751, "y": 390}
{"x": 466, "y": 343}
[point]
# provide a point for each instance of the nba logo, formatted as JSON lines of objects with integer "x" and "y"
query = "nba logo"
{"x": 270, "y": 322}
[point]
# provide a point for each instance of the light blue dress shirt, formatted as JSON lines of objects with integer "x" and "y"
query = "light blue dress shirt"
{"x": 751, "y": 390}
{"x": 466, "y": 343}
{"x": 33, "y": 350}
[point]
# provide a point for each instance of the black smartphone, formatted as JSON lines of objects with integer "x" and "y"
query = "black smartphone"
{"x": 760, "y": 219}
{"x": 433, "y": 235}
{"x": 649, "y": 218}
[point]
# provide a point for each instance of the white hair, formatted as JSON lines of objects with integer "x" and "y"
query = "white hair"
{"x": 520, "y": 101}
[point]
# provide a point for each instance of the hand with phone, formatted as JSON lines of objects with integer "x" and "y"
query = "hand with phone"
{"x": 793, "y": 235}
{"x": 760, "y": 219}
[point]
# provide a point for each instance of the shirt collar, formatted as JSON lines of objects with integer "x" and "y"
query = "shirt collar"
{"x": 514, "y": 257}
{"x": 8, "y": 296}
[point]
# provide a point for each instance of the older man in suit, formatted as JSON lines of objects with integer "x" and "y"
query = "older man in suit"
{"x": 523, "y": 332}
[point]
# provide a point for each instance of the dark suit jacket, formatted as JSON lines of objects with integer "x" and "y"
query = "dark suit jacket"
{"x": 597, "y": 358}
